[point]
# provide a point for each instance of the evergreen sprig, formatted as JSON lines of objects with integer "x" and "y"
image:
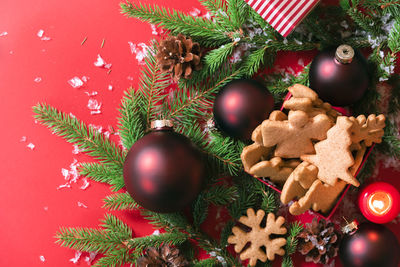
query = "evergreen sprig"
{"x": 103, "y": 173}
{"x": 88, "y": 139}
{"x": 120, "y": 201}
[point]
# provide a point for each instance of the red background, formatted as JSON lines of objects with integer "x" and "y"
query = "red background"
{"x": 30, "y": 177}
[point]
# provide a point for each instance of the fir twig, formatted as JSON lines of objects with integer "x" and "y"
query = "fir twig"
{"x": 75, "y": 131}
{"x": 120, "y": 201}
{"x": 103, "y": 173}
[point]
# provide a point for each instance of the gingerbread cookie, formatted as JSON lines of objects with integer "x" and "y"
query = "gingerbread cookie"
{"x": 259, "y": 237}
{"x": 333, "y": 158}
{"x": 253, "y": 154}
{"x": 274, "y": 169}
{"x": 292, "y": 137}
{"x": 369, "y": 130}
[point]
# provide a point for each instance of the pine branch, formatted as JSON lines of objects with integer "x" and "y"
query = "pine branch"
{"x": 220, "y": 195}
{"x": 215, "y": 58}
{"x": 168, "y": 221}
{"x": 120, "y": 201}
{"x": 132, "y": 121}
{"x": 113, "y": 258}
{"x": 270, "y": 202}
{"x": 394, "y": 38}
{"x": 206, "y": 32}
{"x": 199, "y": 210}
{"x": 210, "y": 262}
{"x": 152, "y": 85}
{"x": 140, "y": 243}
{"x": 104, "y": 174}
{"x": 74, "y": 131}
{"x": 254, "y": 61}
{"x": 113, "y": 225}
{"x": 238, "y": 11}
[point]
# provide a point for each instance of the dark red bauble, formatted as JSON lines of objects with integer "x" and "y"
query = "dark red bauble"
{"x": 241, "y": 106}
{"x": 164, "y": 171}
{"x": 372, "y": 245}
{"x": 339, "y": 77}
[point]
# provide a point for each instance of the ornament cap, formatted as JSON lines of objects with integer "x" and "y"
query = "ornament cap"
{"x": 350, "y": 228}
{"x": 161, "y": 124}
{"x": 344, "y": 54}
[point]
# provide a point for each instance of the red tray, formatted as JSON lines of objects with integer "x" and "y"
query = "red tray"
{"x": 340, "y": 198}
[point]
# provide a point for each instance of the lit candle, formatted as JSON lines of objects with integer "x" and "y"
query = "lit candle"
{"x": 379, "y": 202}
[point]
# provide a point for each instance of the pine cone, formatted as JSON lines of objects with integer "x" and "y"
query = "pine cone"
{"x": 164, "y": 256}
{"x": 179, "y": 56}
{"x": 319, "y": 241}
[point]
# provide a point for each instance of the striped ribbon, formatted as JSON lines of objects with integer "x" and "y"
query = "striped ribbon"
{"x": 283, "y": 15}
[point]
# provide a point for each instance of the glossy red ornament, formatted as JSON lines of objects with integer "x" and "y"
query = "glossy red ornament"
{"x": 372, "y": 245}
{"x": 339, "y": 75}
{"x": 164, "y": 171}
{"x": 241, "y": 106}
{"x": 379, "y": 202}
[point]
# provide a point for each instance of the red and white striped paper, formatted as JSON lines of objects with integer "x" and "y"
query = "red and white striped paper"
{"x": 283, "y": 15}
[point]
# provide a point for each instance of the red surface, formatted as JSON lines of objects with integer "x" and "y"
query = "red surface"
{"x": 30, "y": 177}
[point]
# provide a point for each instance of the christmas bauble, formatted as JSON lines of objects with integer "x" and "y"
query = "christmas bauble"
{"x": 241, "y": 106}
{"x": 163, "y": 171}
{"x": 339, "y": 75}
{"x": 370, "y": 246}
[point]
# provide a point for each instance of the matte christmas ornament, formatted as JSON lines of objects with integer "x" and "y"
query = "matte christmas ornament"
{"x": 339, "y": 75}
{"x": 241, "y": 106}
{"x": 370, "y": 246}
{"x": 163, "y": 170}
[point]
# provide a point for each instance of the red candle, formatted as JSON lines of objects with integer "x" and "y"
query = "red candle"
{"x": 379, "y": 202}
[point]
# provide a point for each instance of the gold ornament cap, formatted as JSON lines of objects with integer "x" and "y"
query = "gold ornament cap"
{"x": 350, "y": 228}
{"x": 344, "y": 54}
{"x": 161, "y": 124}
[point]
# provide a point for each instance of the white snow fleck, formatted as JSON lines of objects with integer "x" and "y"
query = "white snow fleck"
{"x": 300, "y": 62}
{"x": 37, "y": 80}
{"x": 40, "y": 33}
{"x": 66, "y": 185}
{"x": 11, "y": 52}
{"x": 3, "y": 34}
{"x": 110, "y": 87}
{"x": 156, "y": 232}
{"x": 207, "y": 16}
{"x": 72, "y": 115}
{"x": 195, "y": 12}
{"x": 90, "y": 258}
{"x": 77, "y": 257}
{"x": 76, "y": 150}
{"x": 46, "y": 208}
{"x": 156, "y": 30}
{"x": 140, "y": 50}
{"x": 65, "y": 173}
{"x": 75, "y": 82}
{"x": 344, "y": 24}
{"x": 94, "y": 106}
{"x": 85, "y": 79}
{"x": 45, "y": 38}
{"x": 85, "y": 184}
{"x": 101, "y": 63}
{"x": 23, "y": 139}
{"x": 31, "y": 146}
{"x": 130, "y": 78}
{"x": 80, "y": 204}
{"x": 42, "y": 259}
{"x": 93, "y": 93}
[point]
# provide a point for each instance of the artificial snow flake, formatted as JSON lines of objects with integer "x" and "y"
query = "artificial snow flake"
{"x": 110, "y": 87}
{"x": 90, "y": 258}
{"x": 37, "y": 80}
{"x": 31, "y": 146}
{"x": 195, "y": 12}
{"x": 155, "y": 30}
{"x": 94, "y": 106}
{"x": 40, "y": 33}
{"x": 93, "y": 93}
{"x": 3, "y": 34}
{"x": 76, "y": 258}
{"x": 23, "y": 139}
{"x": 100, "y": 62}
{"x": 140, "y": 50}
{"x": 130, "y": 78}
{"x": 46, "y": 208}
{"x": 156, "y": 232}
{"x": 75, "y": 82}
{"x": 42, "y": 259}
{"x": 76, "y": 150}
{"x": 80, "y": 204}
{"x": 66, "y": 185}
{"x": 71, "y": 175}
{"x": 85, "y": 184}
{"x": 85, "y": 79}
{"x": 65, "y": 173}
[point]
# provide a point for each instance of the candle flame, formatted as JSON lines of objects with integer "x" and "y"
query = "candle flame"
{"x": 380, "y": 203}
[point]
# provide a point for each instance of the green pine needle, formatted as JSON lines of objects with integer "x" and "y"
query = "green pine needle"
{"x": 120, "y": 201}
{"x": 74, "y": 131}
{"x": 103, "y": 173}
